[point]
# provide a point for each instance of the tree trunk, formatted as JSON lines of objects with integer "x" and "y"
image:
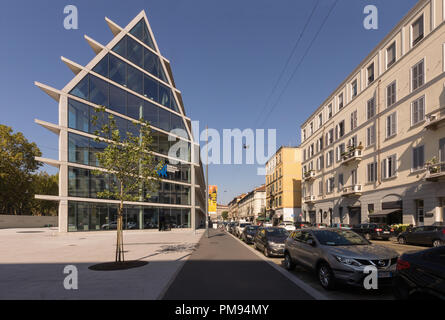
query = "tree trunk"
{"x": 119, "y": 236}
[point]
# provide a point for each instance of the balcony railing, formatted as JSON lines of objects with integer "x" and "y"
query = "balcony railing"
{"x": 353, "y": 154}
{"x": 354, "y": 190}
{"x": 435, "y": 119}
{"x": 435, "y": 171}
{"x": 310, "y": 199}
{"x": 309, "y": 175}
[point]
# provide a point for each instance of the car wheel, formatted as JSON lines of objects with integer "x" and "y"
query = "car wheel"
{"x": 255, "y": 246}
{"x": 325, "y": 276}
{"x": 266, "y": 252}
{"x": 437, "y": 243}
{"x": 401, "y": 240}
{"x": 288, "y": 263}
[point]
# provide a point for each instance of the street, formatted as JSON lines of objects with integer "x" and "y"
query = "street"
{"x": 224, "y": 267}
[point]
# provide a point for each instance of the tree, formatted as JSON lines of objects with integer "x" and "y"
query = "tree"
{"x": 130, "y": 160}
{"x": 225, "y": 215}
{"x": 17, "y": 164}
{"x": 43, "y": 183}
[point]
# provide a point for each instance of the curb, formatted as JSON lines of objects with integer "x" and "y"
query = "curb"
{"x": 299, "y": 283}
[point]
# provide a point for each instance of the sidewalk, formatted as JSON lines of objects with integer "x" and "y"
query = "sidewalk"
{"x": 223, "y": 269}
{"x": 32, "y": 263}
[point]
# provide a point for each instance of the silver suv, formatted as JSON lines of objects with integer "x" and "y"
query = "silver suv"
{"x": 338, "y": 255}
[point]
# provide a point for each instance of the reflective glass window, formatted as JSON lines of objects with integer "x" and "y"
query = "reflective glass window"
{"x": 118, "y": 100}
{"x": 98, "y": 91}
{"x": 78, "y": 117}
{"x": 164, "y": 119}
{"x": 151, "y": 88}
{"x": 121, "y": 47}
{"x": 102, "y": 67}
{"x": 164, "y": 96}
{"x": 134, "y": 52}
{"x": 117, "y": 70}
{"x": 81, "y": 89}
{"x": 95, "y": 148}
{"x": 78, "y": 148}
{"x": 78, "y": 182}
{"x": 135, "y": 107}
{"x": 134, "y": 79}
{"x": 151, "y": 113}
{"x": 151, "y": 63}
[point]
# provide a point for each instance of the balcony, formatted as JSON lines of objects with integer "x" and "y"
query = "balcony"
{"x": 352, "y": 155}
{"x": 309, "y": 175}
{"x": 310, "y": 199}
{"x": 435, "y": 119}
{"x": 352, "y": 191}
{"x": 435, "y": 171}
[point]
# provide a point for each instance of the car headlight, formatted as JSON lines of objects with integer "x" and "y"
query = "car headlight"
{"x": 348, "y": 261}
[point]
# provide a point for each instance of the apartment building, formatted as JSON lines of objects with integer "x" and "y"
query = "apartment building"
{"x": 252, "y": 207}
{"x": 283, "y": 185}
{"x": 130, "y": 78}
{"x": 375, "y": 149}
{"x": 234, "y": 207}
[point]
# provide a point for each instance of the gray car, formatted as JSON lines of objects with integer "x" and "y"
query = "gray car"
{"x": 338, "y": 255}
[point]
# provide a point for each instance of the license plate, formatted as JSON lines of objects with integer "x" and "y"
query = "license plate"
{"x": 385, "y": 274}
{"x": 385, "y": 232}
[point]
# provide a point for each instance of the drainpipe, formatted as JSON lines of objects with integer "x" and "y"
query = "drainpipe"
{"x": 379, "y": 173}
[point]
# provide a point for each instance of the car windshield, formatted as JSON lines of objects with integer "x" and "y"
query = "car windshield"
{"x": 276, "y": 232}
{"x": 339, "y": 238}
{"x": 242, "y": 225}
{"x": 252, "y": 228}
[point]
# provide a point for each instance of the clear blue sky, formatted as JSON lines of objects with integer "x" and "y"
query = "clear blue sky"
{"x": 226, "y": 56}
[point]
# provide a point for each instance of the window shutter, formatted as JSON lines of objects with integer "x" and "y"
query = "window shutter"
{"x": 421, "y": 155}
{"x": 384, "y": 169}
{"x": 393, "y": 124}
{"x": 393, "y": 166}
{"x": 415, "y": 157}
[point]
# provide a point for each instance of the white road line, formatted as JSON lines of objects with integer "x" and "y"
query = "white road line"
{"x": 301, "y": 284}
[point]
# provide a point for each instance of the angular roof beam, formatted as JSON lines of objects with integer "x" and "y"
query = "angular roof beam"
{"x": 53, "y": 93}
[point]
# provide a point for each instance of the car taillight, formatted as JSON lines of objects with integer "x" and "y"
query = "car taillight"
{"x": 378, "y": 230}
{"x": 402, "y": 264}
{"x": 392, "y": 230}
{"x": 443, "y": 230}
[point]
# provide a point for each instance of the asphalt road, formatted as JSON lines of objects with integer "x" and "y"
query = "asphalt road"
{"x": 223, "y": 268}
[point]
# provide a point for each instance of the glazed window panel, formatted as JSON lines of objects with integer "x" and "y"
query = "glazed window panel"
{"x": 78, "y": 149}
{"x": 121, "y": 47}
{"x": 134, "y": 79}
{"x": 164, "y": 96}
{"x": 151, "y": 88}
{"x": 118, "y": 70}
{"x": 134, "y": 52}
{"x": 95, "y": 147}
{"x": 78, "y": 182}
{"x": 81, "y": 90}
{"x": 135, "y": 107}
{"x": 151, "y": 113}
{"x": 78, "y": 115}
{"x": 98, "y": 91}
{"x": 164, "y": 119}
{"x": 151, "y": 63}
{"x": 102, "y": 67}
{"x": 118, "y": 100}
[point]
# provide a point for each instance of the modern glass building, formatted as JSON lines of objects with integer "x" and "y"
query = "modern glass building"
{"x": 131, "y": 78}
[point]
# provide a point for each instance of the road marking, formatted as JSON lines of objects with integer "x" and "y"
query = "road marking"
{"x": 299, "y": 283}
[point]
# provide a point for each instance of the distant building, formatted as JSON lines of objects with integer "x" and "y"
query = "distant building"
{"x": 253, "y": 205}
{"x": 233, "y": 207}
{"x": 283, "y": 185}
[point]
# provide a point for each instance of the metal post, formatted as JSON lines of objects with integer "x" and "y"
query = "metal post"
{"x": 207, "y": 181}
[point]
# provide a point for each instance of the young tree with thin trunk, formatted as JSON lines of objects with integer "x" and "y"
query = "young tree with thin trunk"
{"x": 128, "y": 158}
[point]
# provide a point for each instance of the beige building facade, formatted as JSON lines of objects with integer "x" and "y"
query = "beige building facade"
{"x": 375, "y": 149}
{"x": 283, "y": 184}
{"x": 253, "y": 205}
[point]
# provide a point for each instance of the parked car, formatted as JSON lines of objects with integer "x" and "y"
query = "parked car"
{"x": 319, "y": 225}
{"x": 231, "y": 227}
{"x": 109, "y": 226}
{"x": 268, "y": 224}
{"x": 372, "y": 231}
{"x": 341, "y": 226}
{"x": 302, "y": 225}
{"x": 288, "y": 225}
{"x": 421, "y": 274}
{"x": 270, "y": 240}
{"x": 426, "y": 235}
{"x": 338, "y": 255}
{"x": 240, "y": 228}
{"x": 249, "y": 233}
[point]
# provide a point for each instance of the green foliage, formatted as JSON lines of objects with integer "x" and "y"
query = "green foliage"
{"x": 46, "y": 184}
{"x": 17, "y": 165}
{"x": 225, "y": 215}
{"x": 129, "y": 159}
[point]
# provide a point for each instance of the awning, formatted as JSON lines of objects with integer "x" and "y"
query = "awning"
{"x": 383, "y": 213}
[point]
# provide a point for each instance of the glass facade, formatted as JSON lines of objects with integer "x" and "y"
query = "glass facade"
{"x": 91, "y": 216}
{"x": 84, "y": 184}
{"x": 80, "y": 116}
